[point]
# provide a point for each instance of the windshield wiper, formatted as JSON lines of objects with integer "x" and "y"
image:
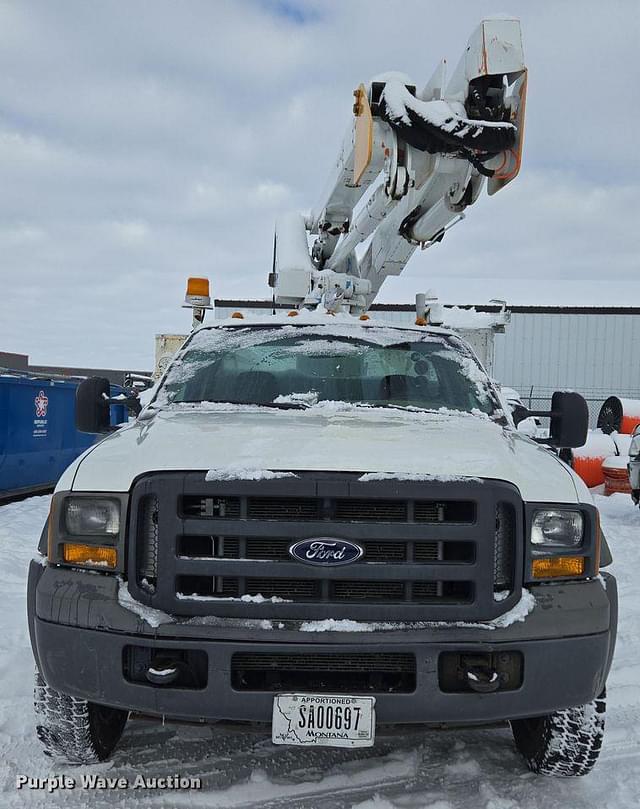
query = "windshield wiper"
{"x": 389, "y": 406}
{"x": 277, "y": 405}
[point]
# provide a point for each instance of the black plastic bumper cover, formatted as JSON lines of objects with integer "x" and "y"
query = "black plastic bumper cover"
{"x": 564, "y": 665}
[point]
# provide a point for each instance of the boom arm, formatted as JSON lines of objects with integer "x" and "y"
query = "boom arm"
{"x": 410, "y": 164}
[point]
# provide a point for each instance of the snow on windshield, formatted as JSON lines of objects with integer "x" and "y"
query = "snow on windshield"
{"x": 471, "y": 370}
{"x": 206, "y": 342}
{"x": 303, "y": 366}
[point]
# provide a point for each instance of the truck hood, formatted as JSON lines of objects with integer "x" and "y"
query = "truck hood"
{"x": 322, "y": 438}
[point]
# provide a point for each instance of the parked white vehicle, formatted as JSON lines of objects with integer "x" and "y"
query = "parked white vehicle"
{"x": 324, "y": 474}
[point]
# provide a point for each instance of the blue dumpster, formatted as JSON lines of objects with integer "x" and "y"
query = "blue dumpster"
{"x": 38, "y": 438}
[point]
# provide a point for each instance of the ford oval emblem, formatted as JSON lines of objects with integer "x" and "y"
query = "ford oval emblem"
{"x": 326, "y": 551}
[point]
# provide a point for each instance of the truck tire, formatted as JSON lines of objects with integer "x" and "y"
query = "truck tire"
{"x": 78, "y": 731}
{"x": 565, "y": 742}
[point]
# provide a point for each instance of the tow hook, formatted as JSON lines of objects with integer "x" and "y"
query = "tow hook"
{"x": 483, "y": 680}
{"x": 162, "y": 671}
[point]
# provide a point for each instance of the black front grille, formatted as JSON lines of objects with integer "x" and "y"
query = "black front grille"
{"x": 433, "y": 551}
{"x": 323, "y": 673}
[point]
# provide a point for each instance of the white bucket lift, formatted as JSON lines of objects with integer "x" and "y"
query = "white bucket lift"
{"x": 411, "y": 162}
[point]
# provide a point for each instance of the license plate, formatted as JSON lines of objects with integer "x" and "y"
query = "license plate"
{"x": 323, "y": 720}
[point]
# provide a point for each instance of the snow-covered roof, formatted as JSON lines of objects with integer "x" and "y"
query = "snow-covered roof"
{"x": 318, "y": 318}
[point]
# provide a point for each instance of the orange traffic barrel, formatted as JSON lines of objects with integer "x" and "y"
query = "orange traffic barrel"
{"x": 616, "y": 475}
{"x": 589, "y": 469}
{"x": 587, "y": 459}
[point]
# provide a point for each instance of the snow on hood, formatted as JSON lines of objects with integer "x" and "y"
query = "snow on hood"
{"x": 368, "y": 440}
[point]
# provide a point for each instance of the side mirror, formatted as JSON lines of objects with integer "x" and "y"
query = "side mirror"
{"x": 569, "y": 419}
{"x": 569, "y": 416}
{"x": 93, "y": 400}
{"x": 92, "y": 405}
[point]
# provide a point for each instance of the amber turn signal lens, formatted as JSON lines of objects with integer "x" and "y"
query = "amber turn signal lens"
{"x": 557, "y": 566}
{"x": 198, "y": 286}
{"x": 96, "y": 555}
{"x": 237, "y": 315}
{"x": 421, "y": 321}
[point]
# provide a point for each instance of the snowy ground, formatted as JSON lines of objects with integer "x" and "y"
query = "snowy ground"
{"x": 474, "y": 769}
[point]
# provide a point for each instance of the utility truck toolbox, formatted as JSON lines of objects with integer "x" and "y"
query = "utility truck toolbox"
{"x": 327, "y": 523}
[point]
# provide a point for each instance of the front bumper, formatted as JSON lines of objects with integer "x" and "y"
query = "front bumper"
{"x": 79, "y": 632}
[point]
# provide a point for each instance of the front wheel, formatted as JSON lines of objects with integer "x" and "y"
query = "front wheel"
{"x": 78, "y": 731}
{"x": 565, "y": 742}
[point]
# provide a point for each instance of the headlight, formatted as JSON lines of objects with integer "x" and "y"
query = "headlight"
{"x": 557, "y": 529}
{"x": 86, "y": 516}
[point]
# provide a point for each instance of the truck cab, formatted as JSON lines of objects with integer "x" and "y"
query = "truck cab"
{"x": 318, "y": 516}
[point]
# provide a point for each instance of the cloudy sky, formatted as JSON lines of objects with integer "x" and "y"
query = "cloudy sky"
{"x": 142, "y": 141}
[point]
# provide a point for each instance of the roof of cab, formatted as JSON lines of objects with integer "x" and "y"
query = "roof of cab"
{"x": 315, "y": 318}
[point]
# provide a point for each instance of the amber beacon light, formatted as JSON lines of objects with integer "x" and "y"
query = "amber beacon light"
{"x": 198, "y": 287}
{"x": 198, "y": 299}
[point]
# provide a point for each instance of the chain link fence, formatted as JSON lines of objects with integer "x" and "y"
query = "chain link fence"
{"x": 539, "y": 398}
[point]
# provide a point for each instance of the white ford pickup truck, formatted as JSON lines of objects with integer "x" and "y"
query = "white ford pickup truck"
{"x": 328, "y": 525}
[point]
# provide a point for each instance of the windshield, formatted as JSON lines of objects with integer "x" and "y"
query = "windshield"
{"x": 301, "y": 366}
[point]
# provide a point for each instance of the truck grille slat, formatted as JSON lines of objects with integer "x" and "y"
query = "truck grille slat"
{"x": 221, "y": 587}
{"x": 276, "y": 549}
{"x": 371, "y": 510}
{"x": 459, "y": 511}
{"x": 283, "y": 508}
{"x": 325, "y": 662}
{"x": 147, "y": 546}
{"x": 340, "y": 509}
{"x": 504, "y": 547}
